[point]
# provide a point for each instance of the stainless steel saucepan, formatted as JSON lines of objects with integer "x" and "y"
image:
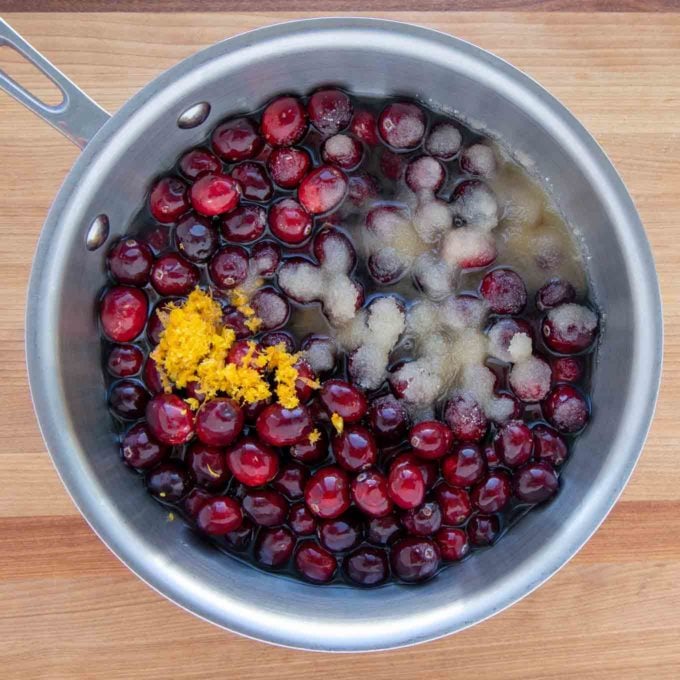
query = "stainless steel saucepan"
{"x": 122, "y": 153}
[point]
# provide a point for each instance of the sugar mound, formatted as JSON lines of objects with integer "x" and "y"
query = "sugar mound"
{"x": 271, "y": 307}
{"x": 476, "y": 205}
{"x": 340, "y": 299}
{"x": 339, "y": 146}
{"x": 320, "y": 353}
{"x": 432, "y": 219}
{"x": 419, "y": 383}
{"x": 407, "y": 128}
{"x": 570, "y": 318}
{"x": 444, "y": 141}
{"x": 458, "y": 313}
{"x": 335, "y": 252}
{"x": 424, "y": 174}
{"x": 530, "y": 378}
{"x": 520, "y": 347}
{"x": 434, "y": 276}
{"x": 302, "y": 281}
{"x": 467, "y": 247}
{"x": 479, "y": 381}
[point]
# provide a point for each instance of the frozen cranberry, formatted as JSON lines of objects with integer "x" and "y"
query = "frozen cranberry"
{"x": 229, "y": 267}
{"x": 288, "y": 165}
{"x": 453, "y": 543}
{"x": 236, "y": 320}
{"x": 343, "y": 151}
{"x": 314, "y": 562}
{"x": 549, "y": 446}
{"x": 140, "y": 450}
{"x": 122, "y": 313}
{"x": 465, "y": 417}
{"x": 255, "y": 184}
{"x": 492, "y": 494}
{"x": 329, "y": 111}
{"x": 194, "y": 501}
{"x": 402, "y": 125}
{"x": 389, "y": 419}
{"x": 245, "y": 225}
{"x": 241, "y": 538}
{"x": 289, "y": 221}
{"x": 483, "y": 529}
{"x": 504, "y": 291}
{"x": 327, "y": 492}
{"x": 536, "y": 482}
{"x": 168, "y": 199}
{"x": 514, "y": 443}
{"x": 425, "y": 174}
{"x": 406, "y": 485}
{"x": 322, "y": 190}
{"x": 214, "y": 194}
{"x": 567, "y": 369}
{"x": 208, "y": 465}
{"x": 170, "y": 420}
{"x": 168, "y": 482}
{"x": 237, "y": 140}
{"x": 340, "y": 534}
{"x": 301, "y": 520}
{"x": 310, "y": 452}
{"x": 414, "y": 559}
{"x": 279, "y": 426}
{"x": 355, "y": 449}
{"x": 554, "y": 293}
{"x": 569, "y": 328}
{"x": 197, "y": 161}
{"x": 219, "y": 516}
{"x": 173, "y": 275}
{"x": 346, "y": 400}
{"x": 370, "y": 494}
{"x": 284, "y": 121}
{"x": 430, "y": 439}
{"x": 124, "y": 361}
{"x": 219, "y": 422}
{"x": 266, "y": 255}
{"x": 275, "y": 338}
{"x": 383, "y": 530}
{"x": 128, "y": 399}
{"x": 443, "y": 141}
{"x": 271, "y": 307}
{"x": 502, "y": 331}
{"x": 274, "y": 547}
{"x": 364, "y": 127}
{"x": 265, "y": 507}
{"x": 129, "y": 262}
{"x": 454, "y": 503}
{"x": 367, "y": 566}
{"x": 392, "y": 165}
{"x": 196, "y": 238}
{"x": 566, "y": 409}
{"x": 465, "y": 466}
{"x": 424, "y": 520}
{"x": 478, "y": 159}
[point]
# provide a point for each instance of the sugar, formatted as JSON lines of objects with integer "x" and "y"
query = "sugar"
{"x": 477, "y": 207}
{"x": 385, "y": 221}
{"x": 387, "y": 264}
{"x": 302, "y": 281}
{"x": 338, "y": 253}
{"x": 338, "y": 146}
{"x": 479, "y": 159}
{"x": 367, "y": 366}
{"x": 434, "y": 276}
{"x": 444, "y": 141}
{"x": 480, "y": 382}
{"x": 408, "y": 128}
{"x": 571, "y": 318}
{"x": 520, "y": 347}
{"x": 424, "y": 173}
{"x": 421, "y": 316}
{"x": 271, "y": 308}
{"x": 340, "y": 297}
{"x": 432, "y": 219}
{"x": 461, "y": 312}
{"x": 321, "y": 354}
{"x": 423, "y": 384}
{"x": 467, "y": 247}
{"x": 530, "y": 378}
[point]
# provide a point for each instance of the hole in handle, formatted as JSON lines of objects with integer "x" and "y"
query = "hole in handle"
{"x": 30, "y": 77}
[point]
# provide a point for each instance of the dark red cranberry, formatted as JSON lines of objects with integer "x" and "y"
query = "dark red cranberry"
{"x": 236, "y": 320}
{"x": 428, "y": 468}
{"x": 502, "y": 331}
{"x": 483, "y": 529}
{"x": 168, "y": 199}
{"x": 355, "y": 449}
{"x": 340, "y": 534}
{"x": 566, "y": 409}
{"x": 275, "y": 338}
{"x": 536, "y": 482}
{"x": 238, "y": 490}
{"x": 284, "y": 122}
{"x": 392, "y": 165}
{"x": 289, "y": 221}
{"x": 197, "y": 161}
{"x": 265, "y": 507}
{"x": 329, "y": 111}
{"x": 406, "y": 485}
{"x": 288, "y": 165}
{"x": 389, "y": 419}
{"x": 453, "y": 543}
{"x": 414, "y": 559}
{"x": 346, "y": 400}
{"x": 152, "y": 376}
{"x": 274, "y": 547}
{"x": 279, "y": 426}
{"x": 443, "y": 141}
{"x": 128, "y": 399}
{"x": 493, "y": 494}
{"x": 465, "y": 417}
{"x": 237, "y": 140}
{"x": 219, "y": 422}
{"x": 465, "y": 466}
{"x": 196, "y": 238}
{"x": 158, "y": 238}
{"x": 327, "y": 492}
{"x": 567, "y": 369}
{"x": 124, "y": 361}
{"x": 291, "y": 480}
{"x": 549, "y": 446}
{"x": 367, "y": 566}
{"x": 271, "y": 307}
{"x": 478, "y": 159}
{"x": 454, "y": 503}
{"x": 492, "y": 459}
{"x": 168, "y": 482}
{"x": 430, "y": 439}
{"x": 504, "y": 291}
{"x": 514, "y": 443}
{"x": 229, "y": 267}
{"x": 140, "y": 450}
{"x": 129, "y": 262}
{"x": 370, "y": 494}
{"x": 154, "y": 326}
{"x": 301, "y": 520}
{"x": 304, "y": 385}
{"x": 324, "y": 243}
{"x": 122, "y": 313}
{"x": 208, "y": 465}
{"x": 241, "y": 538}
{"x": 364, "y": 127}
{"x": 266, "y": 255}
{"x": 219, "y": 516}
{"x": 253, "y": 410}
{"x": 240, "y": 350}
{"x": 402, "y": 125}
{"x": 214, "y": 194}
{"x": 569, "y": 328}
{"x": 193, "y": 390}
{"x": 245, "y": 225}
{"x": 194, "y": 501}
{"x": 255, "y": 184}
{"x": 424, "y": 520}
{"x": 173, "y": 275}
{"x": 383, "y": 530}
{"x": 555, "y": 292}
{"x": 322, "y": 190}
{"x": 310, "y": 452}
{"x": 170, "y": 419}
{"x": 425, "y": 174}
{"x": 343, "y": 151}
{"x": 314, "y": 562}
{"x": 361, "y": 188}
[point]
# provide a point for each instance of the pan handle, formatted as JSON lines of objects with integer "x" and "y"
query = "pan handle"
{"x": 77, "y": 116}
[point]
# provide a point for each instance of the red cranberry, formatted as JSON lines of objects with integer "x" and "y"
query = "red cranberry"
{"x": 346, "y": 400}
{"x": 241, "y": 538}
{"x": 314, "y": 562}
{"x": 569, "y": 328}
{"x": 237, "y": 140}
{"x": 214, "y": 194}
{"x": 170, "y": 420}
{"x": 239, "y": 351}
{"x": 478, "y": 159}
{"x": 255, "y": 184}
{"x": 194, "y": 392}
{"x": 219, "y": 516}
{"x": 301, "y": 520}
{"x": 229, "y": 267}
{"x": 129, "y": 262}
{"x": 284, "y": 122}
{"x": 274, "y": 547}
{"x": 340, "y": 534}
{"x": 124, "y": 361}
{"x": 406, "y": 485}
{"x": 361, "y": 188}
{"x": 370, "y": 494}
{"x": 289, "y": 221}
{"x": 466, "y": 418}
{"x": 430, "y": 439}
{"x": 443, "y": 141}
{"x": 322, "y": 190}
{"x": 328, "y": 242}
{"x": 208, "y": 465}
{"x": 392, "y": 165}
{"x": 154, "y": 326}
{"x": 304, "y": 385}
{"x": 389, "y": 419}
{"x": 383, "y": 530}
{"x": 271, "y": 307}
{"x": 265, "y": 507}
{"x": 554, "y": 293}
{"x": 236, "y": 320}
{"x": 424, "y": 520}
{"x": 158, "y": 238}
{"x": 355, "y": 449}
{"x": 483, "y": 529}
{"x": 266, "y": 255}
{"x": 343, "y": 151}
{"x": 122, "y": 313}
{"x": 288, "y": 166}
{"x": 168, "y": 199}
{"x": 492, "y": 459}
{"x": 279, "y": 426}
{"x": 140, "y": 450}
{"x": 414, "y": 559}
{"x": 504, "y": 291}
{"x": 425, "y": 174}
{"x": 327, "y": 492}
{"x": 493, "y": 494}
{"x": 196, "y": 238}
{"x": 501, "y": 333}
{"x": 465, "y": 466}
{"x": 291, "y": 480}
{"x": 128, "y": 399}
{"x": 454, "y": 503}
{"x": 367, "y": 566}
{"x": 275, "y": 338}
{"x": 549, "y": 445}
{"x": 245, "y": 225}
{"x": 364, "y": 127}
{"x": 194, "y": 501}
{"x": 310, "y": 452}
{"x": 219, "y": 422}
{"x": 402, "y": 125}
{"x": 514, "y": 443}
{"x": 168, "y": 482}
{"x": 329, "y": 111}
{"x": 197, "y": 161}
{"x": 453, "y": 543}
{"x": 566, "y": 409}
{"x": 173, "y": 275}
{"x": 536, "y": 482}
{"x": 567, "y": 369}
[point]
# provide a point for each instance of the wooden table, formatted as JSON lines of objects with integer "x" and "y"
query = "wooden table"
{"x": 69, "y": 608}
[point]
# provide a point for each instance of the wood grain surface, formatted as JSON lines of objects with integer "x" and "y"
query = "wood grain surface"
{"x": 69, "y": 609}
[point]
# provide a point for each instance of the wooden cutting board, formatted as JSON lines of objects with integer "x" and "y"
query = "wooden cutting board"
{"x": 69, "y": 609}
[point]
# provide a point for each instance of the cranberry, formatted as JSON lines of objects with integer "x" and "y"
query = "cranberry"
{"x": 288, "y": 166}
{"x": 168, "y": 482}
{"x": 329, "y": 111}
{"x": 530, "y": 379}
{"x": 549, "y": 445}
{"x": 196, "y": 238}
{"x": 569, "y": 328}
{"x": 566, "y": 409}
{"x": 122, "y": 313}
{"x": 168, "y": 199}
{"x": 465, "y": 417}
{"x": 275, "y": 338}
{"x": 322, "y": 190}
{"x": 304, "y": 385}
{"x": 289, "y": 221}
{"x": 265, "y": 507}
{"x": 284, "y": 122}
{"x": 271, "y": 307}
{"x": 240, "y": 350}
{"x": 314, "y": 562}
{"x": 154, "y": 326}
{"x": 128, "y": 399}
{"x": 493, "y": 494}
{"x": 291, "y": 480}
{"x": 402, "y": 125}
{"x": 240, "y": 539}
{"x": 536, "y": 482}
{"x": 567, "y": 369}
{"x": 274, "y": 547}
{"x": 483, "y": 529}
{"x": 414, "y": 559}
{"x": 219, "y": 422}
{"x": 255, "y": 184}
{"x": 465, "y": 466}
{"x": 554, "y": 293}
{"x": 194, "y": 501}
{"x": 361, "y": 188}
{"x": 454, "y": 503}
{"x": 443, "y": 141}
{"x": 245, "y": 224}
{"x": 208, "y": 465}
{"x": 343, "y": 151}
{"x": 340, "y": 534}
{"x": 329, "y": 243}
{"x": 229, "y": 267}
{"x": 327, "y": 492}
{"x": 389, "y": 419}
{"x": 504, "y": 291}
{"x": 235, "y": 319}
{"x": 170, "y": 420}
{"x": 266, "y": 255}
{"x": 310, "y": 452}
{"x": 492, "y": 459}
{"x": 425, "y": 174}
{"x": 237, "y": 140}
{"x": 346, "y": 400}
{"x": 514, "y": 443}
{"x": 253, "y": 410}
{"x": 453, "y": 543}
{"x": 279, "y": 426}
{"x": 219, "y": 516}
{"x": 301, "y": 520}
{"x": 129, "y": 262}
{"x": 173, "y": 275}
{"x": 364, "y": 127}
{"x": 158, "y": 238}
{"x": 370, "y": 493}
{"x": 478, "y": 159}
{"x": 197, "y": 161}
{"x": 214, "y": 194}
{"x": 406, "y": 485}
{"x": 124, "y": 361}
{"x": 392, "y": 165}
{"x": 424, "y": 520}
{"x": 502, "y": 331}
{"x": 355, "y": 449}
{"x": 383, "y": 530}
{"x": 140, "y": 450}
{"x": 367, "y": 566}
{"x": 430, "y": 439}
{"x": 193, "y": 390}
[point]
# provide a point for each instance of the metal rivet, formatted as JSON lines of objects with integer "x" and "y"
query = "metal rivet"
{"x": 194, "y": 115}
{"x": 97, "y": 233}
